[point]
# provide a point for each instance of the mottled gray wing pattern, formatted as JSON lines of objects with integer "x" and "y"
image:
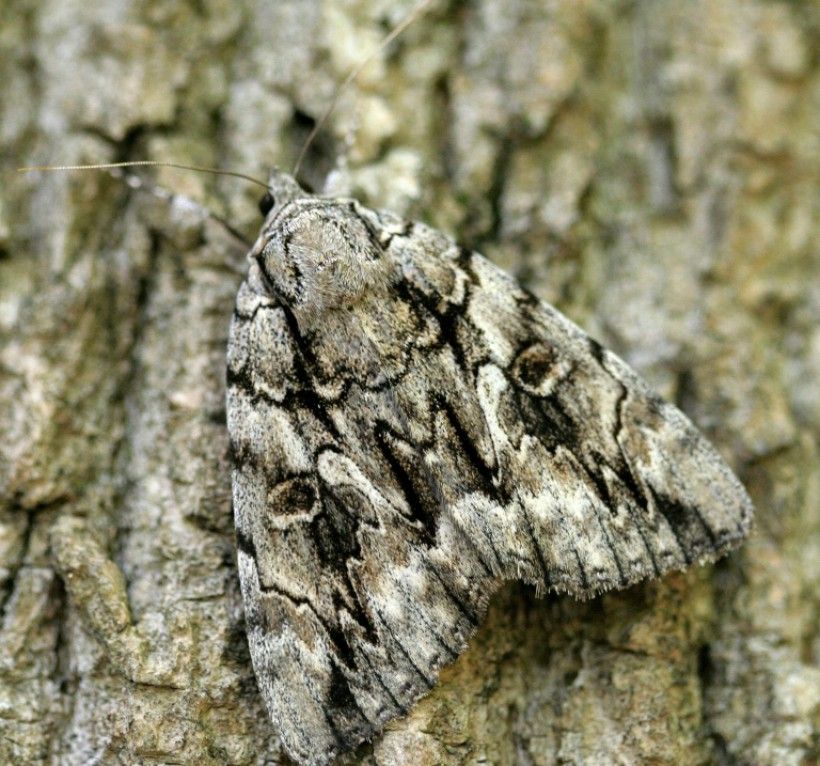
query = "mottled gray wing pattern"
{"x": 399, "y": 459}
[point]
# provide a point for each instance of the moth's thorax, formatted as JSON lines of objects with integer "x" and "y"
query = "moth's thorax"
{"x": 318, "y": 255}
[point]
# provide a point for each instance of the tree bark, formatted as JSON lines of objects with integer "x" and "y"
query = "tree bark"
{"x": 650, "y": 168}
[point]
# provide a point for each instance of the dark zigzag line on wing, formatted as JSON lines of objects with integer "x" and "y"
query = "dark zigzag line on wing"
{"x": 248, "y": 546}
{"x": 339, "y": 638}
{"x": 339, "y": 564}
{"x": 632, "y": 483}
{"x": 448, "y": 323}
{"x": 336, "y": 634}
{"x": 348, "y": 379}
{"x": 554, "y": 426}
{"x": 331, "y": 633}
{"x": 415, "y": 500}
{"x": 624, "y": 474}
{"x": 372, "y": 236}
{"x": 537, "y": 549}
{"x": 240, "y": 318}
{"x": 605, "y": 496}
{"x": 339, "y": 561}
{"x": 338, "y": 557}
{"x": 305, "y": 396}
{"x": 600, "y": 355}
{"x": 412, "y": 496}
{"x": 419, "y": 507}
{"x": 406, "y": 231}
{"x": 486, "y": 484}
{"x": 559, "y": 426}
{"x": 335, "y": 561}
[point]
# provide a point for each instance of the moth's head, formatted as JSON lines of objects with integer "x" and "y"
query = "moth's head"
{"x": 317, "y": 254}
{"x": 282, "y": 189}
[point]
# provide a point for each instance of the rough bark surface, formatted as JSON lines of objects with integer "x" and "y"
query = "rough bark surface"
{"x": 651, "y": 168}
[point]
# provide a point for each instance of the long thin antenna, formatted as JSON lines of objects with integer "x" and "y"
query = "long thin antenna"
{"x": 145, "y": 164}
{"x": 354, "y": 73}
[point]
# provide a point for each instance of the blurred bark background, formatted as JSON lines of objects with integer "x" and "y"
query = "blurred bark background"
{"x": 648, "y": 166}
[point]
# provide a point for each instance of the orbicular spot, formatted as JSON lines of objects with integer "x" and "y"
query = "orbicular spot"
{"x": 534, "y": 364}
{"x": 292, "y": 497}
{"x": 538, "y": 367}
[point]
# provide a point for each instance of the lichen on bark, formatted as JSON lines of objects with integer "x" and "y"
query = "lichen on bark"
{"x": 649, "y": 168}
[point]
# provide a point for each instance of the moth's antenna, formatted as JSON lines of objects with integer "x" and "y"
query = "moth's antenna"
{"x": 354, "y": 73}
{"x": 145, "y": 164}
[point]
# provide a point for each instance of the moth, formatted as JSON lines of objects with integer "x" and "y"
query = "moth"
{"x": 410, "y": 428}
